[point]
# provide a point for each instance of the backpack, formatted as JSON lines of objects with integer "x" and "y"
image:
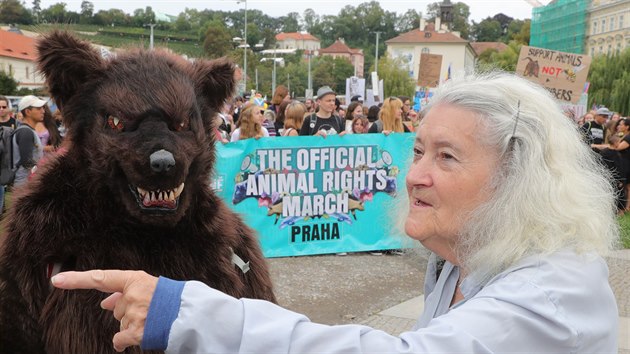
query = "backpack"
{"x": 313, "y": 121}
{"x": 7, "y": 170}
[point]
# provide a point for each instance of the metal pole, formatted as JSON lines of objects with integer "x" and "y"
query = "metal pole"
{"x": 151, "y": 38}
{"x": 245, "y": 49}
{"x": 378, "y": 34}
{"x": 273, "y": 79}
{"x": 310, "y": 80}
{"x": 256, "y": 79}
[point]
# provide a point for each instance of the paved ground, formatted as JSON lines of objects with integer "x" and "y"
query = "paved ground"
{"x": 385, "y": 291}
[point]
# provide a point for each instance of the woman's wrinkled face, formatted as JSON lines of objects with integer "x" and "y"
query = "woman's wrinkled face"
{"x": 448, "y": 177}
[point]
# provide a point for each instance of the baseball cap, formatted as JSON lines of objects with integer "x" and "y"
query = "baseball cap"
{"x": 30, "y": 101}
{"x": 603, "y": 111}
{"x": 323, "y": 91}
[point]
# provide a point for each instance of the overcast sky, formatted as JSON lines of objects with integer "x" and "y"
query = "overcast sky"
{"x": 479, "y": 9}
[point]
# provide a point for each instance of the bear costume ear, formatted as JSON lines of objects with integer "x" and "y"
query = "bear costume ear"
{"x": 214, "y": 81}
{"x": 67, "y": 63}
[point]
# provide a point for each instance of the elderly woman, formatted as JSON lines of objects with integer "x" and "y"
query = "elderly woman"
{"x": 515, "y": 209}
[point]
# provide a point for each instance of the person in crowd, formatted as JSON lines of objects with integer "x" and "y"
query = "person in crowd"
{"x": 310, "y": 105}
{"x": 325, "y": 122}
{"x": 250, "y": 124}
{"x": 373, "y": 114}
{"x": 622, "y": 167}
{"x": 236, "y": 108}
{"x": 594, "y": 131}
{"x": 355, "y": 109}
{"x": 615, "y": 163}
{"x": 356, "y": 98}
{"x": 587, "y": 117}
{"x": 280, "y": 95}
{"x": 293, "y": 119}
{"x": 360, "y": 125}
{"x": 48, "y": 132}
{"x": 517, "y": 228}
{"x": 390, "y": 120}
{"x": 279, "y": 123}
{"x": 269, "y": 121}
{"x": 27, "y": 146}
{"x": 409, "y": 116}
{"x": 611, "y": 127}
{"x": 226, "y": 123}
{"x": 6, "y": 118}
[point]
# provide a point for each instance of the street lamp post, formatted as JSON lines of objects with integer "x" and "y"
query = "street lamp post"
{"x": 151, "y": 37}
{"x": 244, "y": 48}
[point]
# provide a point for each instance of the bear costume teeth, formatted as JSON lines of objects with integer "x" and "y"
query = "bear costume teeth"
{"x": 159, "y": 198}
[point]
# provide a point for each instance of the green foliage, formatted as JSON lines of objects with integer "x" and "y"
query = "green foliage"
{"x": 218, "y": 41}
{"x": 624, "y": 230}
{"x": 8, "y": 86}
{"x": 506, "y": 60}
{"x": 396, "y": 80}
{"x": 12, "y": 11}
{"x": 610, "y": 82}
{"x": 488, "y": 30}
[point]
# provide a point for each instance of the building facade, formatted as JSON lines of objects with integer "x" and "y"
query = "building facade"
{"x": 298, "y": 40}
{"x": 608, "y": 30}
{"x": 17, "y": 59}
{"x": 458, "y": 56}
{"x": 340, "y": 49}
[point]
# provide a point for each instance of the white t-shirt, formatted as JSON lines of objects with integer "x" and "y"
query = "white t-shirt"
{"x": 236, "y": 135}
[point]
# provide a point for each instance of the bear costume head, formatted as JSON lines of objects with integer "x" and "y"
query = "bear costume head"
{"x": 130, "y": 191}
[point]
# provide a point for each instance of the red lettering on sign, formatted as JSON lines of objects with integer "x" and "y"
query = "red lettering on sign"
{"x": 551, "y": 71}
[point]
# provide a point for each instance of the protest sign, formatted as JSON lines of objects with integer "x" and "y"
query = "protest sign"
{"x": 430, "y": 67}
{"x": 562, "y": 74}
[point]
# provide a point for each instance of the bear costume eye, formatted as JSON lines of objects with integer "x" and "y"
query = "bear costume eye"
{"x": 181, "y": 126}
{"x": 115, "y": 123}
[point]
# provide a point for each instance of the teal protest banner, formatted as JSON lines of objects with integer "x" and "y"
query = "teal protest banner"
{"x": 308, "y": 195}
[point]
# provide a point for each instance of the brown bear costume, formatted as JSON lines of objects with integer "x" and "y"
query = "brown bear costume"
{"x": 131, "y": 192}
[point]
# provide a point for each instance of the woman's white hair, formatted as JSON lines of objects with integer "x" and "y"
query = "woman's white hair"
{"x": 549, "y": 191}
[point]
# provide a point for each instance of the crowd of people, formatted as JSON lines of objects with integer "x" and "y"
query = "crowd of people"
{"x": 607, "y": 133}
{"x": 35, "y": 132}
{"x": 322, "y": 116}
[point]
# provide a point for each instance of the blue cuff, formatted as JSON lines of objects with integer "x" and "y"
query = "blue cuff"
{"x": 163, "y": 311}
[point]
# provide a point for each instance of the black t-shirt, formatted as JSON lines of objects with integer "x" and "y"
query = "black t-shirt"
{"x": 594, "y": 132}
{"x": 333, "y": 125}
{"x": 11, "y": 123}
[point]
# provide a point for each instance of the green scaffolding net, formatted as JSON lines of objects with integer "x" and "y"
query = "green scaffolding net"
{"x": 561, "y": 25}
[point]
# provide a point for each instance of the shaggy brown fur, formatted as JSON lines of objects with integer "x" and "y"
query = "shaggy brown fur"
{"x": 83, "y": 209}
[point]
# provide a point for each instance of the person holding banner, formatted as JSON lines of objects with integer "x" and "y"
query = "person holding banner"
{"x": 251, "y": 124}
{"x": 515, "y": 209}
{"x": 325, "y": 122}
{"x": 390, "y": 119}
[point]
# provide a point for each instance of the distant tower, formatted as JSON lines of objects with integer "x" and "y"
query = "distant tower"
{"x": 446, "y": 13}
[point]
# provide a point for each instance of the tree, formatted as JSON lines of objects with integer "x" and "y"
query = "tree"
{"x": 36, "y": 9}
{"x": 12, "y": 11}
{"x": 183, "y": 24}
{"x": 290, "y": 22}
{"x": 506, "y": 60}
{"x": 396, "y": 80}
{"x": 87, "y": 11}
{"x": 8, "y": 86}
{"x": 56, "y": 13}
{"x": 408, "y": 21}
{"x": 218, "y": 40}
{"x": 488, "y": 30}
{"x": 310, "y": 20}
{"x": 610, "y": 82}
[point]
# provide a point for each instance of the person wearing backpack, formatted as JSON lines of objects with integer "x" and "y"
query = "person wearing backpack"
{"x": 7, "y": 124}
{"x": 325, "y": 122}
{"x": 27, "y": 147}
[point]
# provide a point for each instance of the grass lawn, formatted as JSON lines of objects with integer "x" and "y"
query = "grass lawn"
{"x": 624, "y": 223}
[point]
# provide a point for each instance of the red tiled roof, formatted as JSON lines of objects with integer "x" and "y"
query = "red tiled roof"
{"x": 17, "y": 46}
{"x": 296, "y": 36}
{"x": 341, "y": 47}
{"x": 418, "y": 36}
{"x": 481, "y": 47}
